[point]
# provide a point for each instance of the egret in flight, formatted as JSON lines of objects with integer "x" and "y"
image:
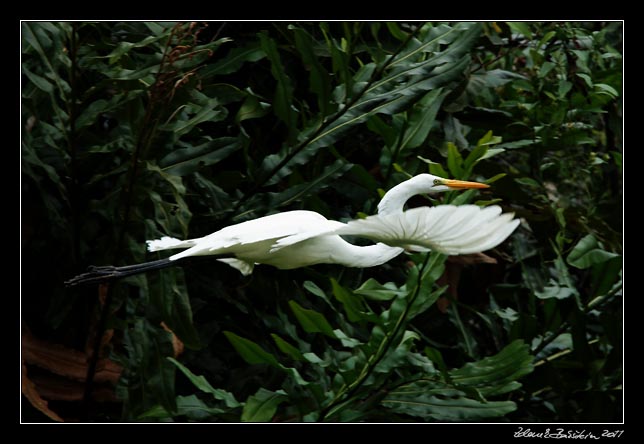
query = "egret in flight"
{"x": 301, "y": 238}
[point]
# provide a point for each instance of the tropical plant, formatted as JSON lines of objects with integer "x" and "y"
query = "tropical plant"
{"x": 136, "y": 130}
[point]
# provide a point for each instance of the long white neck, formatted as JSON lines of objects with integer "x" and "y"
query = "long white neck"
{"x": 394, "y": 200}
{"x": 332, "y": 249}
{"x": 362, "y": 257}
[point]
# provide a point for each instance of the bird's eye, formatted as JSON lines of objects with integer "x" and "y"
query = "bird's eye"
{"x": 437, "y": 182}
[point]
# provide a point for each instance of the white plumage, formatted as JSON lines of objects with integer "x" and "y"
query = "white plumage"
{"x": 251, "y": 242}
{"x": 300, "y": 238}
{"x": 447, "y": 229}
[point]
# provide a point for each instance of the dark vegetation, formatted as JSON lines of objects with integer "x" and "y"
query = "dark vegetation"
{"x": 132, "y": 131}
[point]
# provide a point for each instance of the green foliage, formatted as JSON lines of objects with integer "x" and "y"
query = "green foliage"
{"x": 137, "y": 130}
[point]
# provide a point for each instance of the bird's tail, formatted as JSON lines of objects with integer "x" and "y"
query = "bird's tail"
{"x": 169, "y": 243}
{"x": 106, "y": 273}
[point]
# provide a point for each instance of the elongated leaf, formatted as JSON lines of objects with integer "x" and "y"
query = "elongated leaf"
{"x": 351, "y": 303}
{"x": 234, "y": 61}
{"x": 252, "y": 108}
{"x": 189, "y": 406}
{"x": 319, "y": 80}
{"x": 317, "y": 291}
{"x": 149, "y": 346}
{"x": 588, "y": 252}
{"x": 40, "y": 82}
{"x": 202, "y": 384}
{"x": 261, "y": 406}
{"x": 250, "y": 351}
{"x": 422, "y": 119}
{"x": 454, "y": 161}
{"x": 372, "y": 289}
{"x": 521, "y": 28}
{"x": 554, "y": 290}
{"x": 174, "y": 303}
{"x": 188, "y": 160}
{"x": 311, "y": 321}
{"x": 283, "y": 100}
{"x": 446, "y": 405}
{"x": 206, "y": 110}
{"x": 254, "y": 354}
{"x": 287, "y": 348}
{"x": 34, "y": 34}
{"x": 403, "y": 83}
{"x": 302, "y": 190}
{"x": 451, "y": 401}
{"x": 496, "y": 374}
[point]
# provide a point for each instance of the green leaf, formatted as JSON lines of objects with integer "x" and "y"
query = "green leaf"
{"x": 148, "y": 347}
{"x": 317, "y": 291}
{"x": 588, "y": 252}
{"x": 526, "y": 181}
{"x": 319, "y": 80}
{"x": 261, "y": 406}
{"x": 353, "y": 305}
{"x": 406, "y": 79}
{"x": 184, "y": 161}
{"x": 517, "y": 144}
{"x": 169, "y": 294}
{"x": 189, "y": 406}
{"x": 434, "y": 167}
{"x": 287, "y": 348}
{"x": 40, "y": 82}
{"x": 454, "y": 161}
{"x": 302, "y": 190}
{"x": 395, "y": 31}
{"x": 554, "y": 290}
{"x": 34, "y": 34}
{"x": 496, "y": 375}
{"x": 522, "y": 28}
{"x": 207, "y": 110}
{"x": 250, "y": 351}
{"x": 283, "y": 100}
{"x": 252, "y": 108}
{"x": 311, "y": 321}
{"x": 606, "y": 89}
{"x": 422, "y": 118}
{"x": 372, "y": 289}
{"x": 202, "y": 384}
{"x": 445, "y": 405}
{"x": 437, "y": 358}
{"x": 233, "y": 61}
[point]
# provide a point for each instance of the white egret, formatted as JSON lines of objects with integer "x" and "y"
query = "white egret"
{"x": 307, "y": 237}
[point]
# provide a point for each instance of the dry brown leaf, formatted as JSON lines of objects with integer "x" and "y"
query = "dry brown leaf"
{"x": 177, "y": 345}
{"x": 65, "y": 361}
{"x": 471, "y": 259}
{"x": 57, "y": 388}
{"x": 452, "y": 274}
{"x": 31, "y": 393}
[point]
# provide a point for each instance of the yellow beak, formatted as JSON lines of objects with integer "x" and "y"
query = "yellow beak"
{"x": 461, "y": 184}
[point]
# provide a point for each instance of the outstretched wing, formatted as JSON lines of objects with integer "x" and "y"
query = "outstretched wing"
{"x": 447, "y": 229}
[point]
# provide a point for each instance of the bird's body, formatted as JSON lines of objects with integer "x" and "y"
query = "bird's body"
{"x": 251, "y": 242}
{"x": 301, "y": 238}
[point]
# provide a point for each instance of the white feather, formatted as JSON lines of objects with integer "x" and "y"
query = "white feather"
{"x": 447, "y": 228}
{"x": 169, "y": 243}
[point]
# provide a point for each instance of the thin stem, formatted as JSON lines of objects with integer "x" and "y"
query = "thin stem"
{"x": 143, "y": 140}
{"x": 349, "y": 390}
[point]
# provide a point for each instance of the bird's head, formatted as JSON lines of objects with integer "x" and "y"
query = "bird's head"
{"x": 428, "y": 183}
{"x": 394, "y": 200}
